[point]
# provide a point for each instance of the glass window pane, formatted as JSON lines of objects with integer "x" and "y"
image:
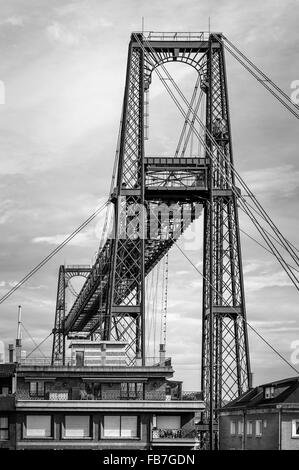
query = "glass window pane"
{"x": 295, "y": 428}
{"x": 3, "y": 422}
{"x": 77, "y": 426}
{"x": 129, "y": 426}
{"x": 38, "y": 426}
{"x": 240, "y": 428}
{"x": 249, "y": 427}
{"x": 3, "y": 434}
{"x": 111, "y": 426}
{"x": 258, "y": 429}
{"x": 232, "y": 427}
{"x": 32, "y": 388}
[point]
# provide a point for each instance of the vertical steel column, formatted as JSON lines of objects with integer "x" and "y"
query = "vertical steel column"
{"x": 125, "y": 306}
{"x": 225, "y": 357}
{"x": 58, "y": 349}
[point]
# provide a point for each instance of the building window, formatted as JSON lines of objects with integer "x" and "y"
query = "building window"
{"x": 77, "y": 427}
{"x": 38, "y": 426}
{"x": 295, "y": 428}
{"x": 37, "y": 389}
{"x": 258, "y": 427}
{"x": 4, "y": 432}
{"x": 269, "y": 392}
{"x": 233, "y": 428}
{"x": 249, "y": 428}
{"x": 4, "y": 391}
{"x": 120, "y": 426}
{"x": 240, "y": 428}
{"x": 131, "y": 390}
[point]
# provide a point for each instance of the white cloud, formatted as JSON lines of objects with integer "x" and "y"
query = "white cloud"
{"x": 280, "y": 179}
{"x": 265, "y": 324}
{"x": 13, "y": 21}
{"x": 59, "y": 33}
{"x": 104, "y": 23}
{"x": 262, "y": 280}
{"x": 81, "y": 239}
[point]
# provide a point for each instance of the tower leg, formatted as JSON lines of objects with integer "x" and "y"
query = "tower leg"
{"x": 225, "y": 358}
{"x": 58, "y": 349}
{"x": 125, "y": 306}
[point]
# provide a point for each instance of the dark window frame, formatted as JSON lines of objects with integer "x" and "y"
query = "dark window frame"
{"x": 296, "y": 422}
{"x": 249, "y": 422}
{"x": 6, "y": 429}
{"x": 233, "y": 422}
{"x": 120, "y": 437}
{"x": 87, "y": 438}
{"x": 37, "y": 393}
{"x": 259, "y": 435}
{"x": 38, "y": 438}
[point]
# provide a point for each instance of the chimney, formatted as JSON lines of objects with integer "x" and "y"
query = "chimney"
{"x": 10, "y": 352}
{"x": 19, "y": 338}
{"x": 162, "y": 354}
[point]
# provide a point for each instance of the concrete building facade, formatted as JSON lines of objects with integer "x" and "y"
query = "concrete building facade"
{"x": 264, "y": 418}
{"x": 100, "y": 406}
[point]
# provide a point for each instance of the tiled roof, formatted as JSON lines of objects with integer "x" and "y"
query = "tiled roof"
{"x": 287, "y": 391}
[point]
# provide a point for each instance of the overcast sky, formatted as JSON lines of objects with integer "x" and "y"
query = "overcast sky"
{"x": 63, "y": 66}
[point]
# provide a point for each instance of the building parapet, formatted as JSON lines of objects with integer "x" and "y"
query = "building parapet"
{"x": 70, "y": 362}
{"x": 110, "y": 405}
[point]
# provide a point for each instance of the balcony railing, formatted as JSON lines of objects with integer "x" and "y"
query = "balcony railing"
{"x": 192, "y": 395}
{"x": 174, "y": 434}
{"x": 176, "y": 36}
{"x": 108, "y": 362}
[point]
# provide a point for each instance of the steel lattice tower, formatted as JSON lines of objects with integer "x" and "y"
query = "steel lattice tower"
{"x": 225, "y": 354}
{"x": 112, "y": 300}
{"x": 66, "y": 273}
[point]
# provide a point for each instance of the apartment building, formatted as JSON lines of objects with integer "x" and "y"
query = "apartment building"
{"x": 96, "y": 401}
{"x": 264, "y": 418}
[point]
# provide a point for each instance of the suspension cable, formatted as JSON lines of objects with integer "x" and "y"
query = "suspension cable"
{"x": 34, "y": 342}
{"x": 211, "y": 137}
{"x": 52, "y": 253}
{"x": 163, "y": 326}
{"x": 185, "y": 125}
{"x": 265, "y": 78}
{"x": 271, "y": 246}
{"x": 191, "y": 127}
{"x": 262, "y": 246}
{"x": 39, "y": 344}
{"x": 236, "y": 311}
